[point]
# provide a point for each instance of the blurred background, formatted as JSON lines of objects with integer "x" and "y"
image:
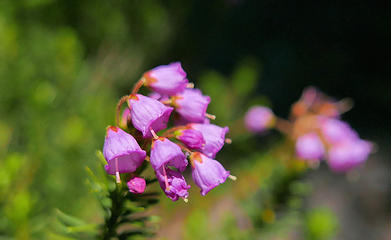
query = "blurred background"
{"x": 65, "y": 63}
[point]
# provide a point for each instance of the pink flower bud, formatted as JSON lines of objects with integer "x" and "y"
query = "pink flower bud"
{"x": 258, "y": 119}
{"x": 136, "y": 185}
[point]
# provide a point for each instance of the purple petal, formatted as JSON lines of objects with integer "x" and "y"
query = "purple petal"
{"x": 167, "y": 79}
{"x": 121, "y": 149}
{"x": 136, "y": 185}
{"x": 214, "y": 137}
{"x": 177, "y": 186}
{"x": 192, "y": 105}
{"x": 207, "y": 173}
{"x": 148, "y": 113}
{"x": 191, "y": 138}
{"x": 165, "y": 152}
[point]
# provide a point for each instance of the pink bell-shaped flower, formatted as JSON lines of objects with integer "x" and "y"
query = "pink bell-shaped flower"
{"x": 191, "y": 105}
{"x": 148, "y": 113}
{"x": 207, "y": 173}
{"x": 166, "y": 153}
{"x": 121, "y": 151}
{"x": 166, "y": 79}
{"x": 214, "y": 137}
{"x": 191, "y": 138}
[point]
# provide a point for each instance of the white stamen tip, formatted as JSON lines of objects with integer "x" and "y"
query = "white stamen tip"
{"x": 233, "y": 178}
{"x": 210, "y": 116}
{"x": 117, "y": 177}
{"x": 228, "y": 140}
{"x": 155, "y": 136}
{"x": 185, "y": 200}
{"x": 190, "y": 85}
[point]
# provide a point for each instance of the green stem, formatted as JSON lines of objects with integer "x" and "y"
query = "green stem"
{"x": 111, "y": 223}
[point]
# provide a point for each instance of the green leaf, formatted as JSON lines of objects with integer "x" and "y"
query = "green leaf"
{"x": 87, "y": 228}
{"x": 68, "y": 220}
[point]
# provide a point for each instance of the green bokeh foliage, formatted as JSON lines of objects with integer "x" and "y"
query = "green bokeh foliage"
{"x": 63, "y": 66}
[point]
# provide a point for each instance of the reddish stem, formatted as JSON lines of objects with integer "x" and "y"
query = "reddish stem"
{"x": 169, "y": 135}
{"x": 183, "y": 147}
{"x": 118, "y": 108}
{"x": 173, "y": 129}
{"x": 138, "y": 85}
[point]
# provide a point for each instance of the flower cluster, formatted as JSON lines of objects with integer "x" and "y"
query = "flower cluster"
{"x": 190, "y": 137}
{"x": 317, "y": 130}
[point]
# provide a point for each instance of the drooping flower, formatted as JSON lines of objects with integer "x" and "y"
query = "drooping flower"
{"x": 191, "y": 105}
{"x": 190, "y": 137}
{"x": 259, "y": 118}
{"x": 214, "y": 137}
{"x": 166, "y": 153}
{"x": 148, "y": 113}
{"x": 309, "y": 147}
{"x": 173, "y": 183}
{"x": 166, "y": 79}
{"x": 121, "y": 151}
{"x": 335, "y": 130}
{"x": 136, "y": 185}
{"x": 207, "y": 173}
{"x": 348, "y": 154}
